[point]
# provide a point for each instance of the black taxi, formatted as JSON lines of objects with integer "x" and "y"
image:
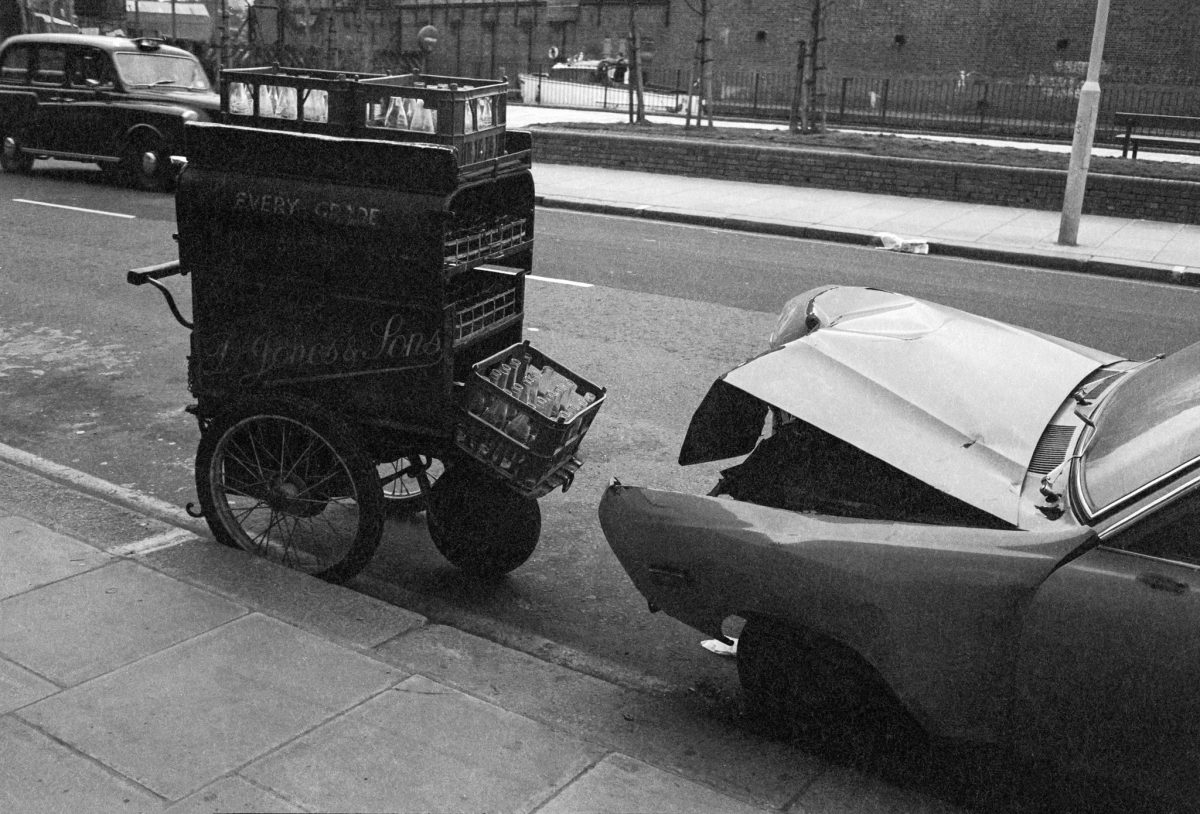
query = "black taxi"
{"x": 120, "y": 103}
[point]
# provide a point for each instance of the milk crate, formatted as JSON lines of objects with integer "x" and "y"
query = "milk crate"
{"x": 533, "y": 452}
{"x": 465, "y": 114}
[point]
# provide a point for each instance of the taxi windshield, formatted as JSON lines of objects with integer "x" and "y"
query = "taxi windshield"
{"x": 1149, "y": 426}
{"x": 165, "y": 70}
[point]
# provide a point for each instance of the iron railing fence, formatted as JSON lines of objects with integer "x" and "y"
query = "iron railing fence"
{"x": 996, "y": 107}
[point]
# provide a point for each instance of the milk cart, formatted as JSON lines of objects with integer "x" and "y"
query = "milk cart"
{"x": 357, "y": 247}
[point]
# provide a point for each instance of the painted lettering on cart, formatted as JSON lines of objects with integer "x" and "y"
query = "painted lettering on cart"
{"x": 392, "y": 343}
{"x": 341, "y": 212}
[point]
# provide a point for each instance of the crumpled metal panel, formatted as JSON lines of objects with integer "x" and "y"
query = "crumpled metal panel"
{"x": 937, "y": 610}
{"x": 953, "y": 399}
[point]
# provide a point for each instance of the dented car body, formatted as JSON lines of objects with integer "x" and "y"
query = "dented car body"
{"x": 1002, "y": 526}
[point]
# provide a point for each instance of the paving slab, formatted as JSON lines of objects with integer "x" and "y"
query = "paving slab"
{"x": 1026, "y": 231}
{"x": 424, "y": 747}
{"x": 917, "y": 220}
{"x": 86, "y": 625}
{"x": 676, "y": 734}
{"x": 31, "y": 555}
{"x": 39, "y": 775}
{"x": 345, "y": 616}
{"x": 233, "y": 794}
{"x": 871, "y": 215}
{"x": 19, "y": 687}
{"x": 180, "y": 719}
{"x": 1180, "y": 250}
{"x": 619, "y": 785}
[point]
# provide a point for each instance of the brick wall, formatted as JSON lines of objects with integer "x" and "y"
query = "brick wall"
{"x": 1152, "y": 41}
{"x": 1172, "y": 201}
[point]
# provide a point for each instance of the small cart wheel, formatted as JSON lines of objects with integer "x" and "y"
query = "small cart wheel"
{"x": 284, "y": 479}
{"x": 479, "y": 525}
{"x": 406, "y": 483}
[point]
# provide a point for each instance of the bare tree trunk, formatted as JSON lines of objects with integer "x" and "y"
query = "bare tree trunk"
{"x": 812, "y": 88}
{"x": 798, "y": 120}
{"x": 635, "y": 65}
{"x": 705, "y": 66}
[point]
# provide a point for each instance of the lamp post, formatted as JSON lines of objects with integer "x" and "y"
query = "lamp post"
{"x": 1085, "y": 131}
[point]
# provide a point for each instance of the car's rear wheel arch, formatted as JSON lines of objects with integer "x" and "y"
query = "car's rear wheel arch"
{"x": 814, "y": 680}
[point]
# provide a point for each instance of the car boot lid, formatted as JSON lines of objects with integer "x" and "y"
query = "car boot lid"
{"x": 956, "y": 400}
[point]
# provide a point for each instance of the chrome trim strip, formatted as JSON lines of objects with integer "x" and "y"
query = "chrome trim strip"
{"x": 1148, "y": 508}
{"x": 1132, "y": 497}
{"x": 68, "y": 156}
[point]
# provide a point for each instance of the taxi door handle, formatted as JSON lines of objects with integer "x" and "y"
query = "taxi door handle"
{"x": 1160, "y": 583}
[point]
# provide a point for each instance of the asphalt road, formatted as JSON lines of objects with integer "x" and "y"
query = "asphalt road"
{"x": 92, "y": 375}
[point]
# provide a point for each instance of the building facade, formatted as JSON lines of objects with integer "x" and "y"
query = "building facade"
{"x": 1150, "y": 41}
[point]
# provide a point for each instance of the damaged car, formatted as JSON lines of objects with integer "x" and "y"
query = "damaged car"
{"x": 946, "y": 520}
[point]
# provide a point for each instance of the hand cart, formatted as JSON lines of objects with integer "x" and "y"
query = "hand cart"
{"x": 357, "y": 247}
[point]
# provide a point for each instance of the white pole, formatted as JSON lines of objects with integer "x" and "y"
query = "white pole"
{"x": 1085, "y": 131}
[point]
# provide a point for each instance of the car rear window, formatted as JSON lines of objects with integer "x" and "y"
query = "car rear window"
{"x": 14, "y": 66}
{"x": 1149, "y": 426}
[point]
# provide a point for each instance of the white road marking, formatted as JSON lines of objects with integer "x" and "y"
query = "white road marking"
{"x": 75, "y": 208}
{"x": 561, "y": 282}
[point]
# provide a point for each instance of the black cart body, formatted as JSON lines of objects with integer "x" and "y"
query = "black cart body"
{"x": 366, "y": 274}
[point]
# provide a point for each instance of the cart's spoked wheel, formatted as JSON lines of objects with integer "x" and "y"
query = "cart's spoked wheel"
{"x": 406, "y": 483}
{"x": 287, "y": 480}
{"x": 479, "y": 524}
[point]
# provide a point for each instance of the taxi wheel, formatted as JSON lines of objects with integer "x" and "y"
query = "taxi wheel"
{"x": 148, "y": 166}
{"x": 479, "y": 524}
{"x": 11, "y": 157}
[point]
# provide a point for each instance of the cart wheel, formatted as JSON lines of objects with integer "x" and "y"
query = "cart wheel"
{"x": 481, "y": 526}
{"x": 285, "y": 479}
{"x": 406, "y": 483}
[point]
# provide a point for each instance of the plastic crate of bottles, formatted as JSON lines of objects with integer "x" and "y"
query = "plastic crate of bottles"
{"x": 460, "y": 112}
{"x": 525, "y": 416}
{"x": 483, "y": 304}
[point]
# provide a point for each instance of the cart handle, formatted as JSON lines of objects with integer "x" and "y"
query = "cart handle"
{"x": 147, "y": 273}
{"x": 152, "y": 275}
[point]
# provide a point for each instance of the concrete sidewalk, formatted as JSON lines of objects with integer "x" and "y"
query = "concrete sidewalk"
{"x": 145, "y": 669}
{"x": 1134, "y": 249}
